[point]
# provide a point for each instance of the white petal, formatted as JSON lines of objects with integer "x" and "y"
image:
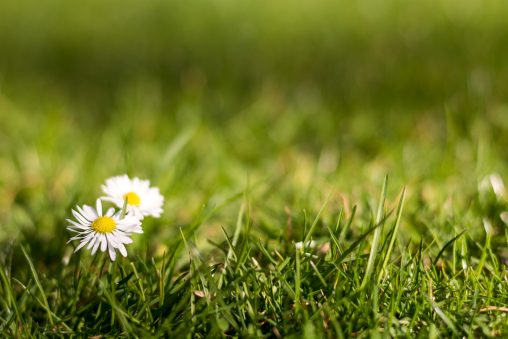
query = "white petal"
{"x": 112, "y": 253}
{"x": 84, "y": 242}
{"x": 79, "y": 237}
{"x": 90, "y": 212}
{"x": 110, "y": 212}
{"x": 137, "y": 230}
{"x": 104, "y": 243}
{"x": 88, "y": 215}
{"x": 77, "y": 225}
{"x": 154, "y": 213}
{"x": 122, "y": 237}
{"x": 96, "y": 246}
{"x": 81, "y": 244}
{"x": 129, "y": 220}
{"x": 79, "y": 217}
{"x": 111, "y": 240}
{"x": 78, "y": 230}
{"x": 98, "y": 206}
{"x": 93, "y": 241}
{"x": 73, "y": 229}
{"x": 127, "y": 227}
{"x": 122, "y": 250}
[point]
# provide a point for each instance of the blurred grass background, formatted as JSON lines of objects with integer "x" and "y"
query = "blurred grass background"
{"x": 288, "y": 100}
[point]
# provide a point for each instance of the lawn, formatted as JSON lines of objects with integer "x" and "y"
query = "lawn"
{"x": 329, "y": 169}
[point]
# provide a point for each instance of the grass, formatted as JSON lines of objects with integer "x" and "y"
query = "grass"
{"x": 331, "y": 133}
{"x": 223, "y": 262}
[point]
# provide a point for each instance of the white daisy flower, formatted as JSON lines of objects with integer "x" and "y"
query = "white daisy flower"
{"x": 109, "y": 231}
{"x": 142, "y": 200}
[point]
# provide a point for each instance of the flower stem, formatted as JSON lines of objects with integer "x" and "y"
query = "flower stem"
{"x": 124, "y": 208}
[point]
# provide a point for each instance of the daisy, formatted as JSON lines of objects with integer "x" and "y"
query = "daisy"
{"x": 142, "y": 200}
{"x": 109, "y": 231}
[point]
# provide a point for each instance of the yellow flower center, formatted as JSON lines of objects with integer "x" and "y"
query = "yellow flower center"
{"x": 132, "y": 198}
{"x": 104, "y": 225}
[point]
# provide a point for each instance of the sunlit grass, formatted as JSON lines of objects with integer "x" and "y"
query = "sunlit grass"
{"x": 222, "y": 259}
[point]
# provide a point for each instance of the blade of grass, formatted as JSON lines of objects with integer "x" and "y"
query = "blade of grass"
{"x": 342, "y": 234}
{"x": 486, "y": 247}
{"x": 297, "y": 281}
{"x": 355, "y": 245}
{"x": 10, "y": 299}
{"x": 39, "y": 286}
{"x": 434, "y": 262}
{"x": 377, "y": 235}
{"x": 443, "y": 316}
{"x": 395, "y": 230}
{"x": 316, "y": 219}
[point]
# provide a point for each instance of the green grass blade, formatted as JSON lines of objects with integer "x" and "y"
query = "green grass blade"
{"x": 394, "y": 234}
{"x": 39, "y": 286}
{"x": 10, "y": 299}
{"x": 448, "y": 243}
{"x": 443, "y": 316}
{"x": 377, "y": 235}
{"x": 314, "y": 223}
